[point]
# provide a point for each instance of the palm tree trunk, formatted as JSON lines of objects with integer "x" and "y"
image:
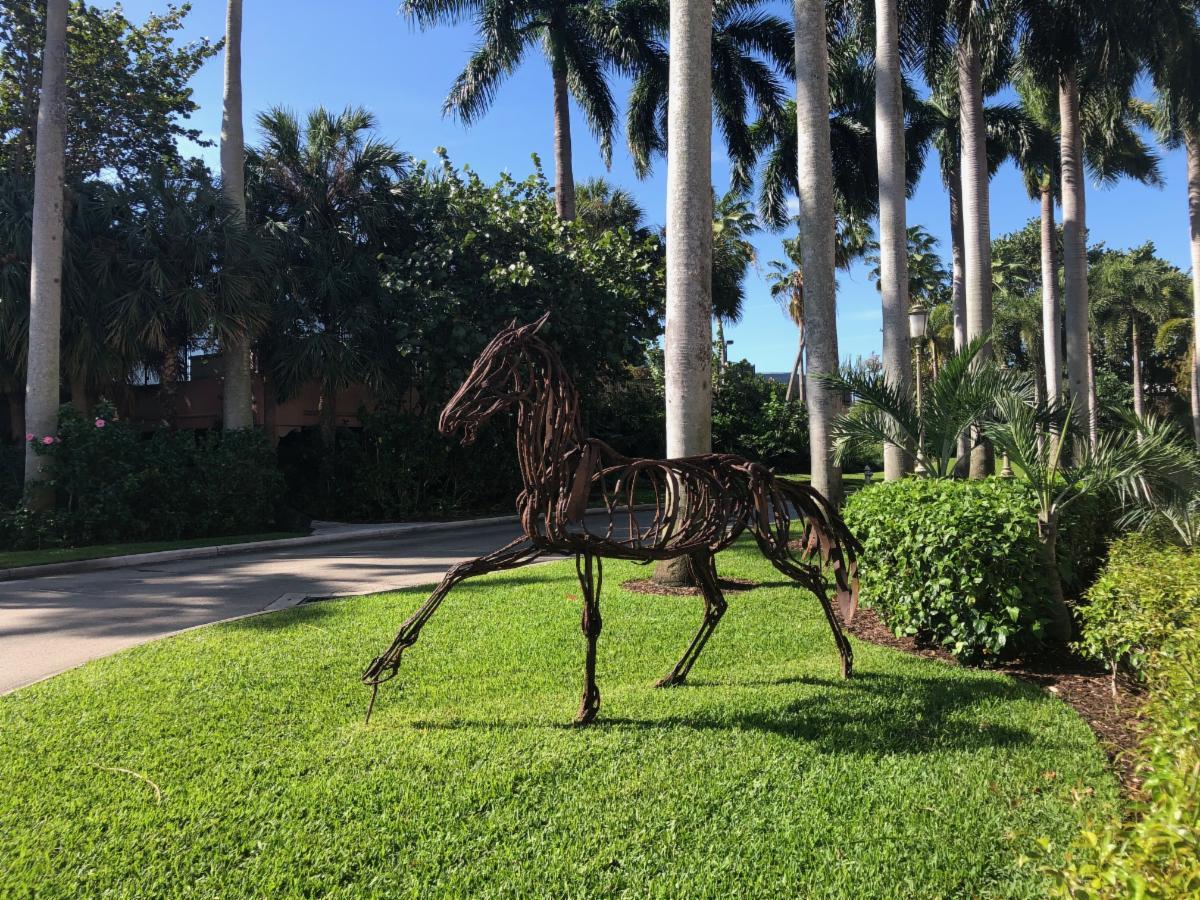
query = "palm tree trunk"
{"x": 327, "y": 419}
{"x": 16, "y": 415}
{"x": 817, "y": 236}
{"x": 687, "y": 345}
{"x": 564, "y": 175}
{"x": 794, "y": 376}
{"x": 958, "y": 299}
{"x": 1191, "y": 142}
{"x": 977, "y": 239}
{"x": 722, "y": 348}
{"x": 958, "y": 287}
{"x": 1051, "y": 321}
{"x": 1062, "y": 625}
{"x": 168, "y": 388}
{"x": 45, "y": 283}
{"x": 237, "y": 403}
{"x": 1075, "y": 252}
{"x": 893, "y": 229}
{"x": 1139, "y": 396}
{"x": 81, "y": 400}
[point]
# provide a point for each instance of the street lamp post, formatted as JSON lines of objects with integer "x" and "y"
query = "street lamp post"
{"x": 918, "y": 322}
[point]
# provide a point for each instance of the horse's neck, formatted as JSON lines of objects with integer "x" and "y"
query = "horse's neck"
{"x": 548, "y": 427}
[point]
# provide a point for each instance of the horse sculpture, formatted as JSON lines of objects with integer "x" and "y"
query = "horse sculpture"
{"x": 702, "y": 505}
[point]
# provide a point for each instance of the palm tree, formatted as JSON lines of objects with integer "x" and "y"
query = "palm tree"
{"x": 893, "y": 252}
{"x": 774, "y": 141}
{"x": 687, "y": 345}
{"x": 237, "y": 403}
{"x": 1174, "y": 63}
{"x": 325, "y": 189}
{"x": 732, "y": 255}
{"x": 751, "y": 55}
{"x": 601, "y": 206}
{"x": 571, "y": 35}
{"x": 1133, "y": 294}
{"x": 963, "y": 395}
{"x": 817, "y": 319}
{"x": 45, "y": 290}
{"x": 1080, "y": 49}
{"x": 851, "y": 239}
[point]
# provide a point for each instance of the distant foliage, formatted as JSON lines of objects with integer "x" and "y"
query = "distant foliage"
{"x": 949, "y": 563}
{"x": 751, "y": 418}
{"x": 115, "y": 483}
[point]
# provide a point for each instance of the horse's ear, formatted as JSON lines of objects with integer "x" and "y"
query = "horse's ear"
{"x": 537, "y": 326}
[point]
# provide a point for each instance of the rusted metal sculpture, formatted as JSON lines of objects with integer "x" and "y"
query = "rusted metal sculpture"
{"x": 702, "y": 505}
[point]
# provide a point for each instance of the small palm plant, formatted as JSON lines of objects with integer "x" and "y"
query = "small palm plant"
{"x": 1139, "y": 465}
{"x": 962, "y": 395}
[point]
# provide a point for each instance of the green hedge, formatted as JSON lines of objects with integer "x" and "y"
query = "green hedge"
{"x": 1145, "y": 594}
{"x": 955, "y": 563}
{"x": 113, "y": 482}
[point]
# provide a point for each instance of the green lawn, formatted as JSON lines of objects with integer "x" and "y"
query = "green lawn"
{"x": 15, "y": 559}
{"x": 767, "y": 776}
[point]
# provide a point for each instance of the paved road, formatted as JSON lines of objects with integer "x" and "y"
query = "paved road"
{"x": 51, "y": 624}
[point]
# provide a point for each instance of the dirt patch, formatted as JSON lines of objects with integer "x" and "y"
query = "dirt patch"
{"x": 649, "y": 586}
{"x": 1082, "y": 684}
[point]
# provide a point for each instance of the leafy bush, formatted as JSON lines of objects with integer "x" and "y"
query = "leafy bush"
{"x": 751, "y": 418}
{"x": 1156, "y": 851}
{"x": 115, "y": 483}
{"x": 1146, "y": 593}
{"x": 952, "y": 563}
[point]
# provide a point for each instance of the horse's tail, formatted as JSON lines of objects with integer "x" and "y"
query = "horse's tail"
{"x": 824, "y": 540}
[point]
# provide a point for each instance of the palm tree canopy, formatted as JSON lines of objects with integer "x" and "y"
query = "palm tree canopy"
{"x": 573, "y": 37}
{"x": 733, "y": 223}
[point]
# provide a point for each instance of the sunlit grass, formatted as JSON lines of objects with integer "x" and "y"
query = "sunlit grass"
{"x": 767, "y": 776}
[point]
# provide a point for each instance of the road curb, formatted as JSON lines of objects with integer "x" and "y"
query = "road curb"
{"x": 398, "y": 529}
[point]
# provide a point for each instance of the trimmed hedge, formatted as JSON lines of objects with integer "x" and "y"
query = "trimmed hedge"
{"x": 113, "y": 482}
{"x": 1146, "y": 593}
{"x": 1147, "y": 604}
{"x": 955, "y": 563}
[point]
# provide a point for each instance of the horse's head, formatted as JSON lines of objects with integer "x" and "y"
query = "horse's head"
{"x": 491, "y": 386}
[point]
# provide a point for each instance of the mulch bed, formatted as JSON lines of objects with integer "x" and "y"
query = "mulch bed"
{"x": 1080, "y": 683}
{"x": 649, "y": 586}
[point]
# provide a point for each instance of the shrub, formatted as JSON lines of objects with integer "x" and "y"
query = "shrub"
{"x": 751, "y": 418}
{"x": 952, "y": 563}
{"x": 1146, "y": 592}
{"x": 1156, "y": 851}
{"x": 115, "y": 483}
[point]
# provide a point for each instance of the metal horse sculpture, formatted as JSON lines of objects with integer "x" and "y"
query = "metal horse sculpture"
{"x": 703, "y": 504}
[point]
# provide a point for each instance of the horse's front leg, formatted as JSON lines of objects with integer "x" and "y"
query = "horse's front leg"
{"x": 591, "y": 576}
{"x": 384, "y": 667}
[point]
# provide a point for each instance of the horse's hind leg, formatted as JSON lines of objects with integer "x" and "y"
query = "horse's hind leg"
{"x": 591, "y": 577}
{"x": 704, "y": 570}
{"x": 812, "y": 581}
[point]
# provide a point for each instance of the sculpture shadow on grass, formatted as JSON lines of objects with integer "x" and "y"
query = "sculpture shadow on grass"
{"x": 873, "y": 714}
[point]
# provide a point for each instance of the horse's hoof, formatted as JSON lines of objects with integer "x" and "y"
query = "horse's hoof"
{"x": 585, "y": 718}
{"x": 670, "y": 681}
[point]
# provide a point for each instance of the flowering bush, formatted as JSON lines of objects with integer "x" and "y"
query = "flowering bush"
{"x": 114, "y": 482}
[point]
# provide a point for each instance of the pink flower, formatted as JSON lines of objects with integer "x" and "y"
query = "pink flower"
{"x": 100, "y": 423}
{"x": 29, "y": 435}
{"x": 48, "y": 440}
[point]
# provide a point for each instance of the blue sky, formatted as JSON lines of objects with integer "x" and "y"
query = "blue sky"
{"x": 301, "y": 53}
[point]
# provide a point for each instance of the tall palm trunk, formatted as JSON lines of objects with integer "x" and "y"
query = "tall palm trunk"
{"x": 722, "y": 348}
{"x": 81, "y": 400}
{"x": 1075, "y": 251}
{"x": 958, "y": 264}
{"x": 237, "y": 404}
{"x": 797, "y": 381}
{"x": 168, "y": 388}
{"x": 45, "y": 283}
{"x": 977, "y": 238}
{"x": 1191, "y": 142}
{"x": 687, "y": 345}
{"x": 1135, "y": 361}
{"x": 893, "y": 230}
{"x": 817, "y": 235}
{"x": 958, "y": 299}
{"x": 564, "y": 175}
{"x": 1051, "y": 322}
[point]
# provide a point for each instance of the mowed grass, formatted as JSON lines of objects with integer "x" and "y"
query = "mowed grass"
{"x": 233, "y": 761}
